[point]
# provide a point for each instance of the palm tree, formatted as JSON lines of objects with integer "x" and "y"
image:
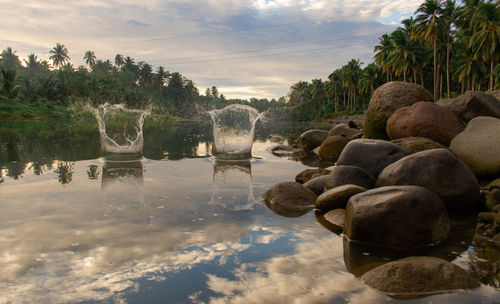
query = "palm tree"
{"x": 382, "y": 51}
{"x": 428, "y": 26}
{"x": 59, "y": 55}
{"x": 9, "y": 60}
{"x": 369, "y": 79}
{"x": 119, "y": 60}
{"x": 89, "y": 58}
{"x": 402, "y": 55}
{"x": 449, "y": 12}
{"x": 336, "y": 81}
{"x": 466, "y": 15}
{"x": 485, "y": 42}
{"x": 9, "y": 89}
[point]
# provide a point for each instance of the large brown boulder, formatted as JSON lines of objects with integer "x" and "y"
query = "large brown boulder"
{"x": 397, "y": 216}
{"x": 337, "y": 197}
{"x": 332, "y": 146}
{"x": 438, "y": 170}
{"x": 416, "y": 277}
{"x": 316, "y": 184}
{"x": 496, "y": 94}
{"x": 479, "y": 146}
{"x": 307, "y": 174}
{"x": 472, "y": 104}
{"x": 417, "y": 144}
{"x": 373, "y": 155}
{"x": 425, "y": 119}
{"x": 344, "y": 130}
{"x": 311, "y": 139}
{"x": 385, "y": 100}
{"x": 289, "y": 199}
{"x": 344, "y": 175}
{"x": 332, "y": 220}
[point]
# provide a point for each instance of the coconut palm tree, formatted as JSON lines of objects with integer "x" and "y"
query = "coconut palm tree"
{"x": 382, "y": 51}
{"x": 402, "y": 55}
{"x": 89, "y": 58}
{"x": 59, "y": 55}
{"x": 119, "y": 60}
{"x": 449, "y": 12}
{"x": 485, "y": 42}
{"x": 429, "y": 24}
{"x": 9, "y": 89}
{"x": 369, "y": 79}
{"x": 9, "y": 60}
{"x": 465, "y": 15}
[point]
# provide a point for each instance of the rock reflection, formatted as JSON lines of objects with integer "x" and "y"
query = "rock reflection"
{"x": 232, "y": 185}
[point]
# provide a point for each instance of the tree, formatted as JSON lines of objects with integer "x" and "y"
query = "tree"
{"x": 369, "y": 79}
{"x": 119, "y": 60}
{"x": 9, "y": 89}
{"x": 9, "y": 60}
{"x": 449, "y": 12}
{"x": 208, "y": 92}
{"x": 215, "y": 92}
{"x": 89, "y": 58}
{"x": 59, "y": 55}
{"x": 382, "y": 52}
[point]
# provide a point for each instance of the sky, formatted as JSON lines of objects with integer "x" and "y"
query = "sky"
{"x": 246, "y": 48}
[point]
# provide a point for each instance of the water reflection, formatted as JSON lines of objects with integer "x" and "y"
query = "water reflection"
{"x": 232, "y": 185}
{"x": 64, "y": 172}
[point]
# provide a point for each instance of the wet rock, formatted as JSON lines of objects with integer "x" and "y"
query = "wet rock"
{"x": 397, "y": 216}
{"x": 289, "y": 199}
{"x": 316, "y": 184}
{"x": 385, "y": 100}
{"x": 305, "y": 175}
{"x": 425, "y": 119}
{"x": 337, "y": 197}
{"x": 479, "y": 146}
{"x": 472, "y": 104}
{"x": 275, "y": 138}
{"x": 283, "y": 150}
{"x": 352, "y": 124}
{"x": 438, "y": 170}
{"x": 332, "y": 220}
{"x": 332, "y": 147}
{"x": 493, "y": 195}
{"x": 311, "y": 139}
{"x": 344, "y": 130}
{"x": 371, "y": 154}
{"x": 496, "y": 94}
{"x": 417, "y": 144}
{"x": 343, "y": 175}
{"x": 415, "y": 277}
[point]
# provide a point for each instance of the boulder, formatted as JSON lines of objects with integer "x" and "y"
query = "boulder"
{"x": 397, "y": 216}
{"x": 306, "y": 174}
{"x": 438, "y": 170}
{"x": 385, "y": 100}
{"x": 332, "y": 146}
{"x": 373, "y": 155}
{"x": 283, "y": 150}
{"x": 344, "y": 130}
{"x": 479, "y": 146}
{"x": 493, "y": 194}
{"x": 289, "y": 199}
{"x": 425, "y": 119}
{"x": 332, "y": 220}
{"x": 472, "y": 104}
{"x": 311, "y": 139}
{"x": 496, "y": 94}
{"x": 417, "y": 144}
{"x": 337, "y": 197}
{"x": 416, "y": 277}
{"x": 343, "y": 175}
{"x": 316, "y": 184}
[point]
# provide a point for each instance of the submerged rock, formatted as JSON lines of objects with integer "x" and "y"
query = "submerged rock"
{"x": 332, "y": 220}
{"x": 416, "y": 277}
{"x": 397, "y": 216}
{"x": 385, "y": 100}
{"x": 289, "y": 199}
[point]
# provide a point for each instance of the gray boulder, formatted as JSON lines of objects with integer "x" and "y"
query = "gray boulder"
{"x": 337, "y": 197}
{"x": 344, "y": 130}
{"x": 416, "y": 277}
{"x": 316, "y": 184}
{"x": 289, "y": 199}
{"x": 311, "y": 139}
{"x": 438, "y": 170}
{"x": 397, "y": 216}
{"x": 472, "y": 104}
{"x": 417, "y": 144}
{"x": 479, "y": 146}
{"x": 373, "y": 155}
{"x": 343, "y": 175}
{"x": 385, "y": 100}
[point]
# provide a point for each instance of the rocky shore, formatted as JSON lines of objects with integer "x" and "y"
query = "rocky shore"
{"x": 396, "y": 179}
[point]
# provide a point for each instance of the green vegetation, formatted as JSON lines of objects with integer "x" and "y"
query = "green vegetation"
{"x": 447, "y": 48}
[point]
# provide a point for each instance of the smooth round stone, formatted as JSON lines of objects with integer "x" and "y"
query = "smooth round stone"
{"x": 289, "y": 199}
{"x": 343, "y": 175}
{"x": 337, "y": 197}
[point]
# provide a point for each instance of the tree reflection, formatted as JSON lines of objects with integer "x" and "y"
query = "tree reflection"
{"x": 93, "y": 172}
{"x": 64, "y": 171}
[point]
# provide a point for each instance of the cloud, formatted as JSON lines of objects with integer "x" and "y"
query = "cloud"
{"x": 137, "y": 23}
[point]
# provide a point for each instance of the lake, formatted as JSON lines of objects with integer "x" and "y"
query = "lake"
{"x": 181, "y": 227}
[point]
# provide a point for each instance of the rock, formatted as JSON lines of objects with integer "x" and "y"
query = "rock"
{"x": 337, "y": 197}
{"x": 415, "y": 277}
{"x": 332, "y": 147}
{"x": 479, "y": 146}
{"x": 344, "y": 130}
{"x": 275, "y": 138}
{"x": 343, "y": 175}
{"x": 496, "y": 94}
{"x": 373, "y": 155}
{"x": 385, "y": 100}
{"x": 283, "y": 150}
{"x": 311, "y": 139}
{"x": 417, "y": 144}
{"x": 472, "y": 104}
{"x": 332, "y": 220}
{"x": 289, "y": 199}
{"x": 305, "y": 175}
{"x": 352, "y": 124}
{"x": 425, "y": 119}
{"x": 438, "y": 170}
{"x": 316, "y": 184}
{"x": 396, "y": 216}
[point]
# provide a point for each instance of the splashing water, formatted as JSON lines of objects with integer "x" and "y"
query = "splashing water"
{"x": 120, "y": 128}
{"x": 234, "y": 128}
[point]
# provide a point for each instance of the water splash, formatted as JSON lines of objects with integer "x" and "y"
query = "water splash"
{"x": 233, "y": 130}
{"x": 120, "y": 128}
